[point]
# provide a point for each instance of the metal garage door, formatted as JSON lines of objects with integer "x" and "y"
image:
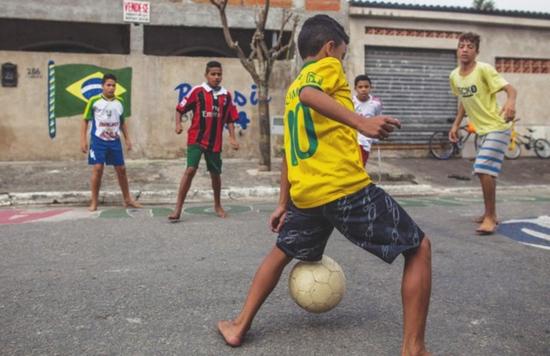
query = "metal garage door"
{"x": 414, "y": 87}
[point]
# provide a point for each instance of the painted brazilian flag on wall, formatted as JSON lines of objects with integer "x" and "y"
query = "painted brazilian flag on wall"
{"x": 70, "y": 86}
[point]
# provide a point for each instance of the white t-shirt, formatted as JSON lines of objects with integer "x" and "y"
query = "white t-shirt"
{"x": 106, "y": 115}
{"x": 372, "y": 107}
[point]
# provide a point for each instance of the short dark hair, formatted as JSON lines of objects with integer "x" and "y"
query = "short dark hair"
{"x": 317, "y": 31}
{"x": 360, "y": 78}
{"x": 213, "y": 64}
{"x": 470, "y": 37}
{"x": 107, "y": 77}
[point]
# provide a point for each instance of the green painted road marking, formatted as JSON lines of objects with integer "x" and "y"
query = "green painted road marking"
{"x": 265, "y": 208}
{"x": 415, "y": 202}
{"x": 161, "y": 212}
{"x": 209, "y": 210}
{"x": 116, "y": 213}
{"x": 411, "y": 202}
{"x": 447, "y": 202}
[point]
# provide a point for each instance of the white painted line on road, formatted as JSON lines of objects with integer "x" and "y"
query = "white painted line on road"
{"x": 543, "y": 221}
{"x": 18, "y": 216}
{"x": 134, "y": 320}
{"x": 536, "y": 234}
{"x": 535, "y": 245}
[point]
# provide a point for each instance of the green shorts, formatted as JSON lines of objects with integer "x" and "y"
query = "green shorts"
{"x": 213, "y": 159}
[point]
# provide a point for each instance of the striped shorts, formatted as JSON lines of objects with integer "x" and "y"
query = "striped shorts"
{"x": 491, "y": 153}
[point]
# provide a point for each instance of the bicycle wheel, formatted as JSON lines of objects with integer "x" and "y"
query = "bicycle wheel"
{"x": 542, "y": 148}
{"x": 440, "y": 146}
{"x": 513, "y": 150}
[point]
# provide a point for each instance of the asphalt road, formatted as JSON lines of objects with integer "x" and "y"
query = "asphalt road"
{"x": 129, "y": 283}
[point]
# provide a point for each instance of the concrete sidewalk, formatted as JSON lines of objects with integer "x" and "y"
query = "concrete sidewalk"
{"x": 156, "y": 181}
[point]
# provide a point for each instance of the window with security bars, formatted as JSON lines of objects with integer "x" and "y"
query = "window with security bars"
{"x": 62, "y": 36}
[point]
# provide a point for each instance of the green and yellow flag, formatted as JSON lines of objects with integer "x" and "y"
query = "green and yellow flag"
{"x": 70, "y": 86}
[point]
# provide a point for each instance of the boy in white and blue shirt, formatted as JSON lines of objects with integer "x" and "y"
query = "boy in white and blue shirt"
{"x": 106, "y": 113}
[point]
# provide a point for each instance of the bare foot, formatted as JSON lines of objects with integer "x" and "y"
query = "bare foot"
{"x": 175, "y": 216}
{"x": 480, "y": 219}
{"x": 92, "y": 207}
{"x": 132, "y": 204}
{"x": 231, "y": 333}
{"x": 488, "y": 226}
{"x": 419, "y": 353}
{"x": 220, "y": 212}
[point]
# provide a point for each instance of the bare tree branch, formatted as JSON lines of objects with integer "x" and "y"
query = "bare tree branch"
{"x": 248, "y": 64}
{"x": 263, "y": 16}
{"x": 285, "y": 17}
{"x": 290, "y": 44}
{"x": 259, "y": 34}
{"x": 259, "y": 63}
{"x": 220, "y": 4}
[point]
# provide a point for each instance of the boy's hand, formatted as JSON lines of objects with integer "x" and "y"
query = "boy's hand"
{"x": 509, "y": 110}
{"x": 453, "y": 134}
{"x": 179, "y": 129}
{"x": 233, "y": 143}
{"x": 84, "y": 146}
{"x": 277, "y": 219}
{"x": 378, "y": 126}
{"x": 128, "y": 145}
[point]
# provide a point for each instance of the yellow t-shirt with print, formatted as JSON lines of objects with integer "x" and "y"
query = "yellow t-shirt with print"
{"x": 322, "y": 155}
{"x": 477, "y": 92}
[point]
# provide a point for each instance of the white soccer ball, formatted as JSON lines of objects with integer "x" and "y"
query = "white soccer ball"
{"x": 317, "y": 286}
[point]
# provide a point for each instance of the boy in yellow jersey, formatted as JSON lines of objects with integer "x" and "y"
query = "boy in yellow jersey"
{"x": 324, "y": 185}
{"x": 476, "y": 84}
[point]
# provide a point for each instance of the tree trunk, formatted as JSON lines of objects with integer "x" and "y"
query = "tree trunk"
{"x": 265, "y": 127}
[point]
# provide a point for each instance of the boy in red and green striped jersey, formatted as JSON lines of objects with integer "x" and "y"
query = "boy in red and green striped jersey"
{"x": 212, "y": 108}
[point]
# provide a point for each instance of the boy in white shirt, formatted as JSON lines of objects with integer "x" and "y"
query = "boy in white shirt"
{"x": 366, "y": 105}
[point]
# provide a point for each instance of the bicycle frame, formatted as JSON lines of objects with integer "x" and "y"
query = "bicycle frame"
{"x": 513, "y": 137}
{"x": 520, "y": 139}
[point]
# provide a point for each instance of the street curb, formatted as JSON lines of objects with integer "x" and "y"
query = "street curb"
{"x": 232, "y": 193}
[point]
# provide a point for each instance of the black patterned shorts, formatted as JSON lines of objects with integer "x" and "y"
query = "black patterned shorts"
{"x": 369, "y": 218}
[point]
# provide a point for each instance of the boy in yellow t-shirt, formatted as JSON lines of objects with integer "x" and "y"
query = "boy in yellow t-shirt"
{"x": 325, "y": 186}
{"x": 476, "y": 84}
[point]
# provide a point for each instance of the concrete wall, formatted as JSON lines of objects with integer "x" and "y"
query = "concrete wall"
{"x": 500, "y": 37}
{"x": 23, "y": 119}
{"x": 169, "y": 12}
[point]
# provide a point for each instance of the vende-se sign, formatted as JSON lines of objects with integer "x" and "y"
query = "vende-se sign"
{"x": 136, "y": 11}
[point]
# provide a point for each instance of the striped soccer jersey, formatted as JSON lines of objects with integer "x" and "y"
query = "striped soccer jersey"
{"x": 212, "y": 109}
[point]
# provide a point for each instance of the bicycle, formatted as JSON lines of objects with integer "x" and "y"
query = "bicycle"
{"x": 442, "y": 148}
{"x": 541, "y": 146}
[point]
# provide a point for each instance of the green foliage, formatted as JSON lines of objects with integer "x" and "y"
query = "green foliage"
{"x": 483, "y": 5}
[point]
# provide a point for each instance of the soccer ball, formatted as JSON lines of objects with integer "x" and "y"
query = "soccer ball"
{"x": 317, "y": 286}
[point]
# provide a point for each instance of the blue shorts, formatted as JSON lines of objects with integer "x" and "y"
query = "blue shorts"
{"x": 369, "y": 218}
{"x": 105, "y": 152}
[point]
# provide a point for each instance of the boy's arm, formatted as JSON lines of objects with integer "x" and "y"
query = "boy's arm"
{"x": 456, "y": 124}
{"x": 277, "y": 219}
{"x": 179, "y": 128}
{"x": 232, "y": 140}
{"x": 376, "y": 126}
{"x": 509, "y": 108}
{"x": 124, "y": 129}
{"x": 88, "y": 115}
{"x": 188, "y": 103}
{"x": 83, "y": 136}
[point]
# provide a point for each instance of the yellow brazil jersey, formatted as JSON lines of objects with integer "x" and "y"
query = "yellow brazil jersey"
{"x": 322, "y": 155}
{"x": 477, "y": 92}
